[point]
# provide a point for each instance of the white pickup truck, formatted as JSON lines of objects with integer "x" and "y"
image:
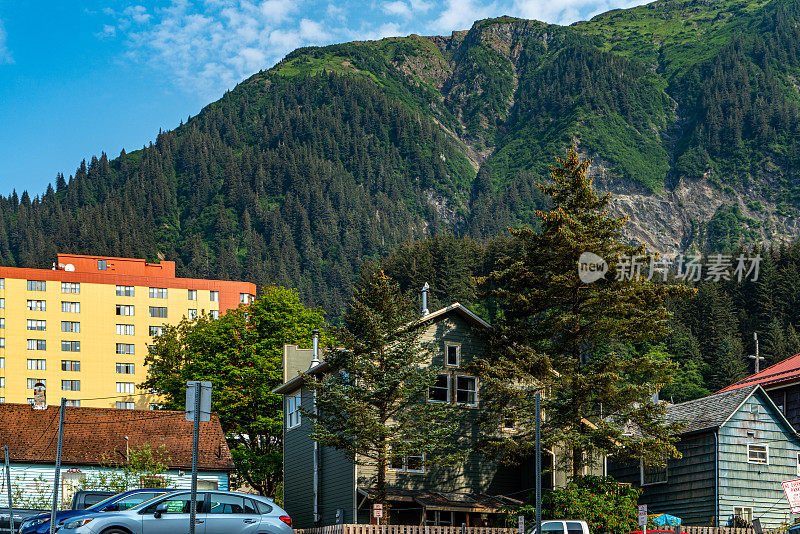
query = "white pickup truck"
{"x": 562, "y": 526}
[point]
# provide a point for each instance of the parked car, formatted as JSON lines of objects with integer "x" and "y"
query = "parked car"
{"x": 83, "y": 499}
{"x": 218, "y": 512}
{"x": 566, "y": 526}
{"x": 40, "y": 524}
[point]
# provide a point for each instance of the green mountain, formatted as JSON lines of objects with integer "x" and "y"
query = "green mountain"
{"x": 689, "y": 108}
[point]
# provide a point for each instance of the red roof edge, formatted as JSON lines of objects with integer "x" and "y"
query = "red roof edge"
{"x": 783, "y": 371}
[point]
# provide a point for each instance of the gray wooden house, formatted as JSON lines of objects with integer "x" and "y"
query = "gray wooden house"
{"x": 324, "y": 487}
{"x": 737, "y": 448}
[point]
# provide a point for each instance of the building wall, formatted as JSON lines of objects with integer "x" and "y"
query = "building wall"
{"x": 689, "y": 490}
{"x": 98, "y": 335}
{"x": 755, "y": 485}
{"x": 787, "y": 398}
{"x": 32, "y": 484}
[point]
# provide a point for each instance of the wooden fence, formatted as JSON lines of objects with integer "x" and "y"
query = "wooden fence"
{"x": 416, "y": 529}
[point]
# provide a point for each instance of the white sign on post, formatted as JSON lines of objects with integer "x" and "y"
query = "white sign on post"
{"x": 792, "y": 490}
{"x": 377, "y": 511}
{"x": 205, "y": 399}
{"x": 642, "y": 515}
{"x": 521, "y": 520}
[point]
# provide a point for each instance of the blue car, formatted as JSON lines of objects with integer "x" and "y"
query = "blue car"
{"x": 40, "y": 524}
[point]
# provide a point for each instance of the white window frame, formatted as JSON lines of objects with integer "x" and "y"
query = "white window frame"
{"x": 37, "y": 344}
{"x": 71, "y": 346}
{"x": 159, "y": 330}
{"x": 126, "y": 387}
{"x": 71, "y": 326}
{"x": 39, "y": 325}
{"x": 73, "y": 402}
{"x": 33, "y": 381}
{"x": 2, "y": 322}
{"x": 125, "y": 368}
{"x": 214, "y": 314}
{"x": 471, "y": 405}
{"x": 293, "y": 416}
{"x": 34, "y": 305}
{"x": 123, "y": 309}
{"x": 213, "y": 296}
{"x": 750, "y": 459}
{"x": 125, "y": 348}
{"x": 125, "y": 291}
{"x": 71, "y": 287}
{"x": 191, "y": 314}
{"x": 36, "y": 364}
{"x": 158, "y": 292}
{"x": 2, "y": 381}
{"x": 192, "y": 294}
{"x": 745, "y": 512}
{"x": 70, "y": 307}
{"x": 642, "y": 468}
{"x": 405, "y": 468}
{"x": 72, "y": 385}
{"x": 449, "y": 387}
{"x": 125, "y": 329}
{"x": 71, "y": 366}
{"x": 447, "y": 346}
{"x": 36, "y": 285}
{"x": 157, "y": 310}
{"x": 125, "y": 405}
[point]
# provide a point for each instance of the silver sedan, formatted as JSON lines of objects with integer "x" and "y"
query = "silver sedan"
{"x": 218, "y": 512}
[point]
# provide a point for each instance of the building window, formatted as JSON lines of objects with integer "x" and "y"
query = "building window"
{"x": 31, "y": 382}
{"x": 35, "y": 305}
{"x": 2, "y": 381}
{"x": 70, "y": 385}
{"x": 124, "y": 291}
{"x": 2, "y": 322}
{"x": 70, "y": 287}
{"x": 125, "y": 330}
{"x": 192, "y": 315}
{"x": 2, "y": 283}
{"x": 70, "y": 346}
{"x": 70, "y": 326}
{"x": 37, "y": 285}
{"x": 213, "y": 296}
{"x": 125, "y": 368}
{"x": 407, "y": 464}
{"x": 125, "y": 405}
{"x": 245, "y": 298}
{"x": 38, "y": 365}
{"x": 71, "y": 307}
{"x": 757, "y": 454}
{"x": 652, "y": 474}
{"x": 37, "y": 344}
{"x": 192, "y": 294}
{"x": 157, "y": 312}
{"x": 158, "y": 292}
{"x": 33, "y": 324}
{"x": 440, "y": 390}
{"x": 73, "y": 402}
{"x": 467, "y": 390}
{"x": 101, "y": 265}
{"x": 292, "y": 411}
{"x": 156, "y": 331}
{"x": 453, "y": 355}
{"x": 214, "y": 314}
{"x": 153, "y": 406}
{"x": 125, "y": 387}
{"x": 743, "y": 512}
{"x": 2, "y": 363}
{"x": 125, "y": 348}
{"x": 2, "y": 342}
{"x": 2, "y": 304}
{"x": 122, "y": 309}
{"x": 70, "y": 365}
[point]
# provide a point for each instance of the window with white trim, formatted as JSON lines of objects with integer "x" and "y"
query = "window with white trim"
{"x": 213, "y": 296}
{"x": 158, "y": 292}
{"x": 70, "y": 287}
{"x": 652, "y": 474}
{"x": 156, "y": 331}
{"x": 2, "y": 363}
{"x": 2, "y": 283}
{"x": 125, "y": 330}
{"x": 410, "y": 463}
{"x": 70, "y": 385}
{"x": 192, "y": 315}
{"x": 214, "y": 314}
{"x": 34, "y": 324}
{"x": 35, "y": 305}
{"x": 467, "y": 390}
{"x": 125, "y": 348}
{"x": 757, "y": 454}
{"x": 37, "y": 344}
{"x": 70, "y": 346}
{"x": 125, "y": 291}
{"x": 2, "y": 342}
{"x": 452, "y": 353}
{"x": 70, "y": 365}
{"x": 72, "y": 402}
{"x": 125, "y": 368}
{"x": 71, "y": 307}
{"x": 2, "y": 322}
{"x": 71, "y": 326}
{"x": 2, "y": 304}
{"x": 292, "y": 411}
{"x": 439, "y": 391}
{"x": 245, "y": 298}
{"x": 31, "y": 382}
{"x": 123, "y": 309}
{"x": 156, "y": 311}
{"x": 37, "y": 365}
{"x": 125, "y": 405}
{"x": 125, "y": 387}
{"x": 2, "y": 381}
{"x": 37, "y": 285}
{"x": 192, "y": 294}
{"x": 743, "y": 512}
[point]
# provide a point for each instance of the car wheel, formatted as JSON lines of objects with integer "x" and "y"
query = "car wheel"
{"x": 114, "y": 530}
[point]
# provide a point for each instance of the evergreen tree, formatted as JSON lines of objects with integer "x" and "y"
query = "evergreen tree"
{"x": 729, "y": 364}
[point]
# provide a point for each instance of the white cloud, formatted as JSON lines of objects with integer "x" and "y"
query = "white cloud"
{"x": 107, "y": 32}
{"x": 5, "y": 53}
{"x": 397, "y": 8}
{"x": 460, "y": 14}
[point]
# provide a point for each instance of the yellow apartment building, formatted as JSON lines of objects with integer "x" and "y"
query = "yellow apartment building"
{"x": 82, "y": 328}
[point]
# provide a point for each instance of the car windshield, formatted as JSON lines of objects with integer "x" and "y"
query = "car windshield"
{"x": 103, "y": 502}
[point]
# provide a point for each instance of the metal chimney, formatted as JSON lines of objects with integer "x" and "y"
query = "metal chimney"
{"x": 39, "y": 396}
{"x": 425, "y": 289}
{"x": 315, "y": 348}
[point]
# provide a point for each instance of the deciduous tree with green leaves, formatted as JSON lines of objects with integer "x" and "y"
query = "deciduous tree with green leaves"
{"x": 372, "y": 404}
{"x": 241, "y": 355}
{"x": 572, "y": 340}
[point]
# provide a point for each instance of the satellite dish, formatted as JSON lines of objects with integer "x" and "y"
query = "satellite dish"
{"x": 69, "y": 267}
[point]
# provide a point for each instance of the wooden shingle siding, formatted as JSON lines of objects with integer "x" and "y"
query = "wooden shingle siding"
{"x": 756, "y": 485}
{"x": 689, "y": 492}
{"x": 298, "y": 468}
{"x": 789, "y": 398}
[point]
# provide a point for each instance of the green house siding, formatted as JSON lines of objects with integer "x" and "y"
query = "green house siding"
{"x": 298, "y": 468}
{"x": 336, "y": 486}
{"x": 689, "y": 490}
{"x": 756, "y": 485}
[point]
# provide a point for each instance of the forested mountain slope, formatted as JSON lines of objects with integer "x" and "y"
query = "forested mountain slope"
{"x": 690, "y": 108}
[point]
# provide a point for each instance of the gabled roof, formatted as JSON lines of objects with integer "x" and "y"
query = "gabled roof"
{"x": 786, "y": 371}
{"x": 714, "y": 411}
{"x": 96, "y": 436}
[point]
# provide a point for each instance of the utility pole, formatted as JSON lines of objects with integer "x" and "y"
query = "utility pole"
{"x": 756, "y": 356}
{"x": 57, "y": 478}
{"x": 538, "y": 464}
{"x": 10, "y": 502}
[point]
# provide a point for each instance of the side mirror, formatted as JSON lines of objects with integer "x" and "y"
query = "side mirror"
{"x": 160, "y": 509}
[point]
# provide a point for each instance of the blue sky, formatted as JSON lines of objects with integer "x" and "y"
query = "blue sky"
{"x": 81, "y": 78}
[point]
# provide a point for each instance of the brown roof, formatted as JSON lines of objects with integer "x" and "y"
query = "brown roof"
{"x": 96, "y": 436}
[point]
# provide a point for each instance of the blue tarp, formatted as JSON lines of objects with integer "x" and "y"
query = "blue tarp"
{"x": 667, "y": 520}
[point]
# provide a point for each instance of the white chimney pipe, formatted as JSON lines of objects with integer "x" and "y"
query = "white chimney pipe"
{"x": 315, "y": 348}
{"x": 425, "y": 289}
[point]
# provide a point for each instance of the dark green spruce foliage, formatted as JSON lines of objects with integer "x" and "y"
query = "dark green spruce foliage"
{"x": 372, "y": 402}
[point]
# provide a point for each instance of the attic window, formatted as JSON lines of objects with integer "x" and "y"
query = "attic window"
{"x": 757, "y": 454}
{"x": 453, "y": 353}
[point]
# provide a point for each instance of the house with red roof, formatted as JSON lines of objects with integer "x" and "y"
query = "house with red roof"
{"x": 782, "y": 383}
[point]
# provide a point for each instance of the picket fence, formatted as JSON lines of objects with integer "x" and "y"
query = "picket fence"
{"x": 416, "y": 529}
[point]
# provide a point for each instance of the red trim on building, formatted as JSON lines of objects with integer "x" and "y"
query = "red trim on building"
{"x": 782, "y": 372}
